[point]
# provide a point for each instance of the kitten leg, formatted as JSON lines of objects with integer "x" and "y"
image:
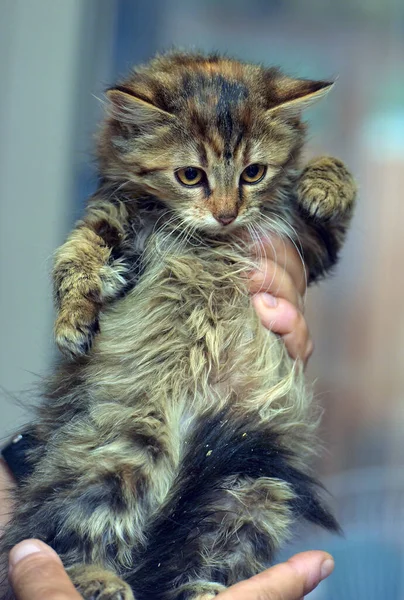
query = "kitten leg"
{"x": 326, "y": 189}
{"x": 95, "y": 583}
{"x": 326, "y": 194}
{"x": 247, "y": 518}
{"x": 84, "y": 275}
{"x": 253, "y": 518}
{"x": 244, "y": 520}
{"x": 228, "y": 511}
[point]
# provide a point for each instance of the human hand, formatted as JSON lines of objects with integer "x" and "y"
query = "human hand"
{"x": 278, "y": 289}
{"x": 6, "y": 484}
{"x": 290, "y": 580}
{"x": 37, "y": 573}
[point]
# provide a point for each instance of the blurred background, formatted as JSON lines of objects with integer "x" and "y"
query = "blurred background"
{"x": 57, "y": 57}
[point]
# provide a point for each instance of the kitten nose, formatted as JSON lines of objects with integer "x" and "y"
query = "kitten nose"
{"x": 226, "y": 218}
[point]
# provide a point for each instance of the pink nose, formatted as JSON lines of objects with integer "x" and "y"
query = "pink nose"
{"x": 225, "y": 218}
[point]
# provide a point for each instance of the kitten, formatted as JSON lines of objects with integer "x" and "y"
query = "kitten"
{"x": 173, "y": 443}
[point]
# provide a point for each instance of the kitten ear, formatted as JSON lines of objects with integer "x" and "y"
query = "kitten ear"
{"x": 125, "y": 106}
{"x": 291, "y": 96}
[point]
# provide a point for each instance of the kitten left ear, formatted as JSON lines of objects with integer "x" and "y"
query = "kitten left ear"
{"x": 291, "y": 96}
{"x": 127, "y": 107}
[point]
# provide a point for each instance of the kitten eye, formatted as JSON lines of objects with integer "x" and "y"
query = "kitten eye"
{"x": 190, "y": 175}
{"x": 253, "y": 173}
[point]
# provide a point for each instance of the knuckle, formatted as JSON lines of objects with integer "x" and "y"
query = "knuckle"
{"x": 297, "y": 321}
{"x": 309, "y": 349}
{"x": 300, "y": 303}
{"x": 258, "y": 277}
{"x": 297, "y": 338}
{"x": 303, "y": 327}
{"x": 269, "y": 272}
{"x": 287, "y": 285}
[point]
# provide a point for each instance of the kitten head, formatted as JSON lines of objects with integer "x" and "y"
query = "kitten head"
{"x": 213, "y": 138}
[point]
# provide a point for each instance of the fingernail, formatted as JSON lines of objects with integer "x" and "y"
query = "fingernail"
{"x": 21, "y": 551}
{"x": 26, "y": 548}
{"x": 269, "y": 300}
{"x": 326, "y": 568}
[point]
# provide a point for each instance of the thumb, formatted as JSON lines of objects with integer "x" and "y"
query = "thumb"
{"x": 37, "y": 573}
{"x": 287, "y": 581}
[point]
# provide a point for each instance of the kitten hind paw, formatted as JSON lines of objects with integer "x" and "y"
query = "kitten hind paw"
{"x": 200, "y": 590}
{"x": 96, "y": 583}
{"x": 326, "y": 189}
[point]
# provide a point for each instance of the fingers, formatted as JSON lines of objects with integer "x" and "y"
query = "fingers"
{"x": 300, "y": 575}
{"x": 285, "y": 255}
{"x": 283, "y": 318}
{"x": 36, "y": 573}
{"x": 273, "y": 278}
{"x": 278, "y": 284}
{"x": 6, "y": 485}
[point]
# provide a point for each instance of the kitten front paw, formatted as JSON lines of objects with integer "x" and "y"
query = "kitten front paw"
{"x": 326, "y": 189}
{"x": 96, "y": 583}
{"x": 75, "y": 328}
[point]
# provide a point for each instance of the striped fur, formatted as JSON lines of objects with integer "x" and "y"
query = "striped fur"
{"x": 173, "y": 443}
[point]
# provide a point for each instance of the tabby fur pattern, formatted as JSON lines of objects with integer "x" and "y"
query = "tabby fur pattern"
{"x": 173, "y": 442}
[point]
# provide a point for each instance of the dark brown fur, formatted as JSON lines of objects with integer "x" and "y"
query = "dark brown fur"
{"x": 172, "y": 446}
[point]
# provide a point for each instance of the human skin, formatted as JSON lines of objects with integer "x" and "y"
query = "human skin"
{"x": 278, "y": 291}
{"x": 6, "y": 483}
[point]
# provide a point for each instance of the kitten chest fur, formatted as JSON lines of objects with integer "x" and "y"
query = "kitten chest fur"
{"x": 186, "y": 340}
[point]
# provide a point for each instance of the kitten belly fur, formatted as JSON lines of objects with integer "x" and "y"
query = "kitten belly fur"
{"x": 193, "y": 430}
{"x": 186, "y": 343}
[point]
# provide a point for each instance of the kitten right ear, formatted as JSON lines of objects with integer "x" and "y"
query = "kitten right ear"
{"x": 125, "y": 106}
{"x": 292, "y": 96}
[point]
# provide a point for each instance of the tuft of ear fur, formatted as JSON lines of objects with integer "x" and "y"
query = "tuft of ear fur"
{"x": 125, "y": 106}
{"x": 294, "y": 95}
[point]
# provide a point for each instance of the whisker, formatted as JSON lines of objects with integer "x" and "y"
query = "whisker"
{"x": 275, "y": 260}
{"x": 288, "y": 226}
{"x": 170, "y": 235}
{"x": 263, "y": 258}
{"x": 276, "y": 226}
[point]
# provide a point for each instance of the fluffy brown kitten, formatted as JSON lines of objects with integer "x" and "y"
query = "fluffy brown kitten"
{"x": 173, "y": 443}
